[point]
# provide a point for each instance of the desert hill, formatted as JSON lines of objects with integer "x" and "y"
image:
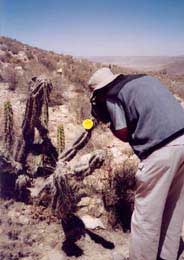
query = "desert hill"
{"x": 19, "y": 62}
{"x": 168, "y": 69}
{"x": 146, "y": 63}
{"x": 175, "y": 68}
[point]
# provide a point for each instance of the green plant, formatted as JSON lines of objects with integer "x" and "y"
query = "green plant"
{"x": 60, "y": 139}
{"x": 8, "y": 126}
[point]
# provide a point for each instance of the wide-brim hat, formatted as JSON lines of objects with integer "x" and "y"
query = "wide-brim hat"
{"x": 101, "y": 78}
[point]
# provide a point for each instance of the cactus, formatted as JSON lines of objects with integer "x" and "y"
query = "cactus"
{"x": 36, "y": 117}
{"x": 45, "y": 115}
{"x": 60, "y": 139}
{"x": 8, "y": 126}
{"x": 44, "y": 111}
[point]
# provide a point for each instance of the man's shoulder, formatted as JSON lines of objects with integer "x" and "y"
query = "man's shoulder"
{"x": 144, "y": 82}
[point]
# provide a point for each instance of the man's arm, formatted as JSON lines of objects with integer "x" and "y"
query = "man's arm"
{"x": 118, "y": 120}
{"x": 121, "y": 134}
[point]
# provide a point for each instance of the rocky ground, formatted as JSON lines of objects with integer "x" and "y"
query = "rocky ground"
{"x": 31, "y": 233}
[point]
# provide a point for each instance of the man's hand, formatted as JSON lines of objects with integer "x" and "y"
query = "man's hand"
{"x": 121, "y": 134}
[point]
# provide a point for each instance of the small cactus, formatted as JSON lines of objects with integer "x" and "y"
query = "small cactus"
{"x": 60, "y": 139}
{"x": 8, "y": 126}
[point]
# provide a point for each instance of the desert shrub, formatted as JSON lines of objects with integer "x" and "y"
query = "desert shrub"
{"x": 84, "y": 108}
{"x": 54, "y": 56}
{"x": 78, "y": 71}
{"x": 48, "y": 61}
{"x": 49, "y": 64}
{"x": 6, "y": 57}
{"x": 125, "y": 175}
{"x": 57, "y": 97}
{"x": 31, "y": 69}
{"x": 68, "y": 59}
{"x": 29, "y": 54}
{"x": 177, "y": 88}
{"x": 10, "y": 76}
{"x": 12, "y": 45}
{"x": 119, "y": 194}
{"x": 3, "y": 47}
{"x": 80, "y": 106}
{"x": 15, "y": 60}
{"x": 34, "y": 68}
{"x": 124, "y": 185}
{"x": 14, "y": 49}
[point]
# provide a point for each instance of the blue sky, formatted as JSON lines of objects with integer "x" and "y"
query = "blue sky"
{"x": 97, "y": 27}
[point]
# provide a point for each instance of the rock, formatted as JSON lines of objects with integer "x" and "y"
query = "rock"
{"x": 96, "y": 207}
{"x": 85, "y": 201}
{"x": 13, "y": 214}
{"x": 19, "y": 70}
{"x": 22, "y": 56}
{"x": 24, "y": 220}
{"x": 92, "y": 223}
{"x": 60, "y": 71}
{"x": 85, "y": 159}
{"x": 92, "y": 206}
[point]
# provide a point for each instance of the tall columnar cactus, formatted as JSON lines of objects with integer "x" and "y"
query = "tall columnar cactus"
{"x": 45, "y": 115}
{"x": 45, "y": 111}
{"x": 60, "y": 139}
{"x": 8, "y": 126}
{"x": 36, "y": 117}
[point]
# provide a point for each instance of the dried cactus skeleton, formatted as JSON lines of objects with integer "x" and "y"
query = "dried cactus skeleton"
{"x": 65, "y": 185}
{"x": 36, "y": 117}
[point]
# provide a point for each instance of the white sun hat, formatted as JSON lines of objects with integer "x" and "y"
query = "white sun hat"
{"x": 101, "y": 78}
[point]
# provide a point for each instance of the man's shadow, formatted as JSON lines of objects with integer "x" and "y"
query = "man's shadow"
{"x": 74, "y": 229}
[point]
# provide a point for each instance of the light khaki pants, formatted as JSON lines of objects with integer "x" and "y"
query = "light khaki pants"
{"x": 159, "y": 204}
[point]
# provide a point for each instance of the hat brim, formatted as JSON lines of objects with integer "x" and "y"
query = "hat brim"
{"x": 106, "y": 82}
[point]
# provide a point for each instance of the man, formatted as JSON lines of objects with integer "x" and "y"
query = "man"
{"x": 144, "y": 113}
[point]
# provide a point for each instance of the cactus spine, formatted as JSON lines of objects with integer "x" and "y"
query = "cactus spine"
{"x": 8, "y": 126}
{"x": 60, "y": 139}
